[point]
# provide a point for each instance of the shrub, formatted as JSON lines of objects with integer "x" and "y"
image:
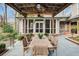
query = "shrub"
{"x": 40, "y": 36}
{"x": 7, "y": 28}
{"x": 29, "y": 36}
{"x": 20, "y": 37}
{"x": 2, "y": 46}
{"x": 1, "y": 37}
{"x": 46, "y": 34}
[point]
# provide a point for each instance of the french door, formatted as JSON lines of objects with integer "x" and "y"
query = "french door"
{"x": 39, "y": 27}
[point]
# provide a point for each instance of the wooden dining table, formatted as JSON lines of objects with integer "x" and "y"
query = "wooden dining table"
{"x": 41, "y": 43}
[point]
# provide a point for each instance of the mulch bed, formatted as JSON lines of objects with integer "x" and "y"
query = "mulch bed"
{"x": 3, "y": 52}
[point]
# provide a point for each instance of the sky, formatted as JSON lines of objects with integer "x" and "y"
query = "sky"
{"x": 10, "y": 12}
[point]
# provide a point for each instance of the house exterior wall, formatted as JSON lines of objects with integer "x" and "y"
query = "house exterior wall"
{"x": 21, "y": 27}
{"x": 75, "y": 10}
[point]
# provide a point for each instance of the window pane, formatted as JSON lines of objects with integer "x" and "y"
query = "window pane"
{"x": 30, "y": 30}
{"x": 30, "y": 23}
{"x": 41, "y": 30}
{"x": 37, "y": 25}
{"x": 37, "y": 30}
{"x": 26, "y": 26}
{"x": 47, "y": 23}
{"x": 47, "y": 30}
{"x": 41, "y": 25}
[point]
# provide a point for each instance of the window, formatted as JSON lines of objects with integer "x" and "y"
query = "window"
{"x": 30, "y": 26}
{"x": 26, "y": 26}
{"x": 47, "y": 26}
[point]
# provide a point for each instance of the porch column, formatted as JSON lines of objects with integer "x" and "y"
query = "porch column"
{"x": 24, "y": 25}
{"x": 34, "y": 26}
{"x": 27, "y": 25}
{"x": 5, "y": 14}
{"x": 44, "y": 26}
{"x": 52, "y": 24}
{"x": 57, "y": 26}
{"x": 69, "y": 27}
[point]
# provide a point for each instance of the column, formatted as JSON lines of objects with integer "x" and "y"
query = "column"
{"x": 24, "y": 25}
{"x": 27, "y": 25}
{"x": 34, "y": 26}
{"x": 5, "y": 14}
{"x": 44, "y": 25}
{"x": 50, "y": 26}
{"x": 70, "y": 27}
{"x": 57, "y": 26}
{"x": 52, "y": 23}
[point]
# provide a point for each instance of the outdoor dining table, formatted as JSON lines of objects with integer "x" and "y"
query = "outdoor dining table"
{"x": 40, "y": 42}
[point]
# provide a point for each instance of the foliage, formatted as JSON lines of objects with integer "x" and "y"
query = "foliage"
{"x": 7, "y": 28}
{"x": 11, "y": 33}
{"x": 74, "y": 26}
{"x": 40, "y": 35}
{"x": 2, "y": 46}
{"x": 46, "y": 34}
{"x": 1, "y": 37}
{"x": 29, "y": 36}
{"x": 20, "y": 37}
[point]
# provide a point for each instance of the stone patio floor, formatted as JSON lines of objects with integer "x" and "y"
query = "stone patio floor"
{"x": 65, "y": 48}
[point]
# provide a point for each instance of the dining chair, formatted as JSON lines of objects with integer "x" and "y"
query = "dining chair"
{"x": 25, "y": 45}
{"x": 54, "y": 42}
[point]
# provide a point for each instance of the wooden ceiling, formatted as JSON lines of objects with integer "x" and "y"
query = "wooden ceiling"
{"x": 31, "y": 8}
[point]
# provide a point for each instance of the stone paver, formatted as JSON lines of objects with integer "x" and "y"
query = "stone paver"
{"x": 65, "y": 48}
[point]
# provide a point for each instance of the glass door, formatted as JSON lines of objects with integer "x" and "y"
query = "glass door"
{"x": 39, "y": 27}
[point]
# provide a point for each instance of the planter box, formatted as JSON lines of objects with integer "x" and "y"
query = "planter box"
{"x": 74, "y": 41}
{"x": 2, "y": 51}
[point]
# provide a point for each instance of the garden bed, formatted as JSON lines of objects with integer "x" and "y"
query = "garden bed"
{"x": 3, "y": 52}
{"x": 74, "y": 39}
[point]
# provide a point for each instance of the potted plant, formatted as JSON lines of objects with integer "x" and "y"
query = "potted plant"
{"x": 29, "y": 37}
{"x": 2, "y": 47}
{"x": 40, "y": 35}
{"x": 12, "y": 36}
{"x": 46, "y": 34}
{"x": 20, "y": 37}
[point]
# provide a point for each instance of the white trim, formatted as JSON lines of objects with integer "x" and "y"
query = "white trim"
{"x": 44, "y": 26}
{"x": 34, "y": 26}
{"x": 39, "y": 26}
{"x": 27, "y": 26}
{"x": 50, "y": 26}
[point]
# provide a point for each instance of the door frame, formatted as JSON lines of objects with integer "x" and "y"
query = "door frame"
{"x": 39, "y": 26}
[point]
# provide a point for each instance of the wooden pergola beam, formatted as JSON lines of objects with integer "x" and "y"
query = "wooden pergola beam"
{"x": 15, "y": 7}
{"x": 30, "y": 8}
{"x": 62, "y": 8}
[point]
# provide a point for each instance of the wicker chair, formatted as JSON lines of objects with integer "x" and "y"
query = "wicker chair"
{"x": 40, "y": 50}
{"x": 25, "y": 45}
{"x": 54, "y": 42}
